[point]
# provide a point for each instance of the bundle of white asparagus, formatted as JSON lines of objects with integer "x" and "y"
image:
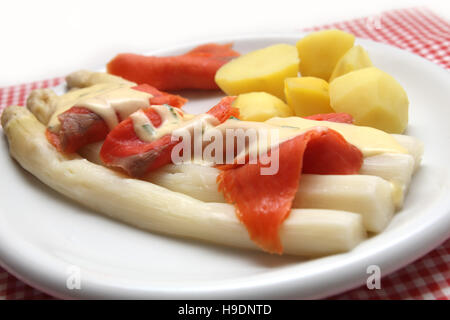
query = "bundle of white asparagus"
{"x": 376, "y": 193}
{"x": 331, "y": 213}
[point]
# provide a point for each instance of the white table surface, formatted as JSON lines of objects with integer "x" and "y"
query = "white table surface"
{"x": 45, "y": 39}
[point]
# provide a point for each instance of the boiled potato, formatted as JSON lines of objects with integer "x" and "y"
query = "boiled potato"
{"x": 260, "y": 70}
{"x": 320, "y": 51}
{"x": 373, "y": 98}
{"x": 307, "y": 95}
{"x": 261, "y": 106}
{"x": 355, "y": 58}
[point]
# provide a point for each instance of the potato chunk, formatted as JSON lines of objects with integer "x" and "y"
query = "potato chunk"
{"x": 356, "y": 58}
{"x": 307, "y": 95}
{"x": 261, "y": 106}
{"x": 373, "y": 98}
{"x": 260, "y": 70}
{"x": 320, "y": 51}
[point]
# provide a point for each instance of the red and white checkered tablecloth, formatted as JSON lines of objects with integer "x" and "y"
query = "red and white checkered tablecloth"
{"x": 417, "y": 30}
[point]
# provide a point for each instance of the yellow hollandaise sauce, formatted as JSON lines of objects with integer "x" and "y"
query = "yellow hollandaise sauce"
{"x": 369, "y": 140}
{"x": 110, "y": 101}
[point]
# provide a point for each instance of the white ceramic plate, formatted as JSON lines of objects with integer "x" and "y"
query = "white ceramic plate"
{"x": 45, "y": 238}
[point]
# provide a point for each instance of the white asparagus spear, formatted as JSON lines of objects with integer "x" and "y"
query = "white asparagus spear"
{"x": 307, "y": 232}
{"x": 368, "y": 195}
{"x": 413, "y": 145}
{"x": 397, "y": 168}
{"x": 394, "y": 167}
{"x": 85, "y": 78}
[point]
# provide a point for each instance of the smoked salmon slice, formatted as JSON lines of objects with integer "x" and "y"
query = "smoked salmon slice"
{"x": 80, "y": 126}
{"x": 341, "y": 117}
{"x": 263, "y": 202}
{"x": 161, "y": 97}
{"x": 193, "y": 70}
{"x": 123, "y": 148}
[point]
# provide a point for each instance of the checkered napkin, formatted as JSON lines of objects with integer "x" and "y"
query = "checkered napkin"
{"x": 417, "y": 30}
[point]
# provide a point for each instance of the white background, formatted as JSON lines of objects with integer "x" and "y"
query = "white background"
{"x": 45, "y": 39}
